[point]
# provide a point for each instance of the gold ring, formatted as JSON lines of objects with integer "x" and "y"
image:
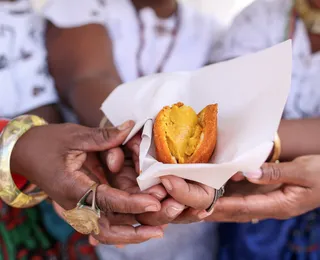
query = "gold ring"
{"x": 84, "y": 218}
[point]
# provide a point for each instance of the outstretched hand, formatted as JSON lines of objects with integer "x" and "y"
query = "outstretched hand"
{"x": 278, "y": 191}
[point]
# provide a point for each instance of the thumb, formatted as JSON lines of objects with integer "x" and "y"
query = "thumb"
{"x": 278, "y": 173}
{"x": 102, "y": 139}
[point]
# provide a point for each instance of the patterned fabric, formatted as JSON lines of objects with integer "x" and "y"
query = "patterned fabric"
{"x": 23, "y": 237}
{"x": 196, "y": 34}
{"x": 25, "y": 82}
{"x": 262, "y": 25}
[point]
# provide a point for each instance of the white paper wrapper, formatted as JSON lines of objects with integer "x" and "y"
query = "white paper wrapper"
{"x": 251, "y": 93}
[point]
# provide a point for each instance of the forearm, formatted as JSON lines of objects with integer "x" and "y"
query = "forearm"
{"x": 87, "y": 95}
{"x": 50, "y": 113}
{"x": 84, "y": 73}
{"x": 299, "y": 137}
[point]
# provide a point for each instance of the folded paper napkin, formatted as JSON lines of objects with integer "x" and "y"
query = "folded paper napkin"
{"x": 251, "y": 93}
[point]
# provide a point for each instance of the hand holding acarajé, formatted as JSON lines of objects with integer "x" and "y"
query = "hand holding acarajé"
{"x": 181, "y": 136}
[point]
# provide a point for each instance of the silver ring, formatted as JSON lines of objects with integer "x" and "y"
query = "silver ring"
{"x": 217, "y": 195}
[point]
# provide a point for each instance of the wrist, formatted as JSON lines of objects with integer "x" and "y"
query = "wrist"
{"x": 17, "y": 163}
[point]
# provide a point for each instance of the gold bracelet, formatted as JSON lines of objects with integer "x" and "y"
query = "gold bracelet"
{"x": 276, "y": 149}
{"x": 9, "y": 192}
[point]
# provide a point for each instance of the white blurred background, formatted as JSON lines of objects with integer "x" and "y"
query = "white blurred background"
{"x": 224, "y": 10}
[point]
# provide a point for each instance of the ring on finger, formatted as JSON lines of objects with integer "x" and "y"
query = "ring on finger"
{"x": 217, "y": 195}
{"x": 84, "y": 218}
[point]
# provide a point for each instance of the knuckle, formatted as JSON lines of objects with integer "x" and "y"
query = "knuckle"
{"x": 70, "y": 132}
{"x": 104, "y": 204}
{"x": 207, "y": 200}
{"x": 104, "y": 240}
{"x": 127, "y": 208}
{"x": 151, "y": 220}
{"x": 241, "y": 212}
{"x": 274, "y": 174}
{"x": 99, "y": 136}
{"x": 69, "y": 127}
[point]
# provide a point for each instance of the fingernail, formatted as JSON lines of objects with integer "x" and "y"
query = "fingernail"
{"x": 152, "y": 208}
{"x": 203, "y": 214}
{"x": 125, "y": 126}
{"x": 167, "y": 184}
{"x": 158, "y": 236}
{"x": 173, "y": 211}
{"x": 253, "y": 175}
{"x": 110, "y": 159}
{"x": 164, "y": 226}
{"x": 157, "y": 195}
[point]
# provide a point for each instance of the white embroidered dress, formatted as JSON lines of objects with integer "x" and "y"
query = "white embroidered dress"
{"x": 24, "y": 80}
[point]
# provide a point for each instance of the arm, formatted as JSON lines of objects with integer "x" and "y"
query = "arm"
{"x": 49, "y": 112}
{"x": 81, "y": 62}
{"x": 299, "y": 137}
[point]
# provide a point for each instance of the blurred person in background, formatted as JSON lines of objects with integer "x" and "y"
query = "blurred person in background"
{"x": 261, "y": 25}
{"x": 26, "y": 88}
{"x": 94, "y": 46}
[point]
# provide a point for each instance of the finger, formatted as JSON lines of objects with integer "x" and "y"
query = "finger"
{"x": 134, "y": 145}
{"x": 99, "y": 139}
{"x": 276, "y": 173}
{"x": 113, "y": 200}
{"x": 122, "y": 235}
{"x": 191, "y": 215}
{"x": 135, "y": 160}
{"x": 158, "y": 191}
{"x": 170, "y": 209}
{"x": 121, "y": 219}
{"x": 194, "y": 195}
{"x": 58, "y": 209}
{"x": 73, "y": 189}
{"x": 125, "y": 180}
{"x": 238, "y": 177}
{"x": 92, "y": 241}
{"x": 113, "y": 159}
{"x": 94, "y": 169}
{"x": 246, "y": 208}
